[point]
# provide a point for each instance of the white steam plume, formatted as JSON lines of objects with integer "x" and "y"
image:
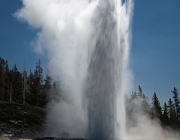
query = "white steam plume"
{"x": 142, "y": 127}
{"x": 66, "y": 34}
{"x": 65, "y": 31}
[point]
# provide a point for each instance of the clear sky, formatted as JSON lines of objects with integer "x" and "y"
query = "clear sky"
{"x": 155, "y": 51}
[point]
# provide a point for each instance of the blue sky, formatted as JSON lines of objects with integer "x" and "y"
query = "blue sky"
{"x": 16, "y": 37}
{"x": 155, "y": 51}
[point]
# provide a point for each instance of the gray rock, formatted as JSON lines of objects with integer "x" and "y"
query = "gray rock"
{"x": 13, "y": 121}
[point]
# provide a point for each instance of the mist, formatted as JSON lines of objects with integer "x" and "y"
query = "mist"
{"x": 69, "y": 32}
{"x": 61, "y": 25}
{"x": 140, "y": 125}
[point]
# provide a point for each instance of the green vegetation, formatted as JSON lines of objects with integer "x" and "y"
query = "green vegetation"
{"x": 168, "y": 115}
{"x": 20, "y": 92}
{"x": 24, "y": 87}
{"x": 22, "y": 115}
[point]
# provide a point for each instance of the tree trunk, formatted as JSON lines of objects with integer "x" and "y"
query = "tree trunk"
{"x": 10, "y": 93}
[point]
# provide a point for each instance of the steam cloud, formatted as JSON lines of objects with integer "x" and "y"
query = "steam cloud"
{"x": 67, "y": 36}
{"x": 141, "y": 126}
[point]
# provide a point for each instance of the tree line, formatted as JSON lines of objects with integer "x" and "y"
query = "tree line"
{"x": 30, "y": 88}
{"x": 24, "y": 87}
{"x": 168, "y": 115}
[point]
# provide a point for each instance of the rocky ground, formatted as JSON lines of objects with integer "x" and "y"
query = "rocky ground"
{"x": 24, "y": 122}
{"x": 16, "y": 130}
{"x": 51, "y": 138}
{"x": 20, "y": 121}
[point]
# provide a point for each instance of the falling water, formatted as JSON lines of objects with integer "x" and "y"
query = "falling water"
{"x": 87, "y": 42}
{"x": 104, "y": 78}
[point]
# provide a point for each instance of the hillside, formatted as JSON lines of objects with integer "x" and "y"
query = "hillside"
{"x": 20, "y": 121}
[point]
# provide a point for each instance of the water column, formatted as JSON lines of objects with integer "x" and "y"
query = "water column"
{"x": 104, "y": 73}
{"x": 87, "y": 45}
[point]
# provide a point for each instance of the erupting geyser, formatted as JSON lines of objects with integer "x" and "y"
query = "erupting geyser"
{"x": 87, "y": 42}
{"x": 104, "y": 74}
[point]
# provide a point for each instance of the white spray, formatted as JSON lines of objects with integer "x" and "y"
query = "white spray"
{"x": 87, "y": 42}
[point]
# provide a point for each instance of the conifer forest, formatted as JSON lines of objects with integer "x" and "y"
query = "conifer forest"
{"x": 30, "y": 88}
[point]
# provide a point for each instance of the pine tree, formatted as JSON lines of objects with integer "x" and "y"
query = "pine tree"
{"x": 3, "y": 64}
{"x": 172, "y": 114}
{"x": 156, "y": 107}
{"x": 140, "y": 93}
{"x": 144, "y": 101}
{"x": 145, "y": 105}
{"x": 133, "y": 96}
{"x": 48, "y": 79}
{"x": 165, "y": 118}
{"x": 176, "y": 104}
{"x": 17, "y": 85}
{"x": 37, "y": 83}
{"x": 47, "y": 89}
{"x": 6, "y": 86}
{"x": 10, "y": 86}
{"x": 29, "y": 95}
{"x": 25, "y": 85}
